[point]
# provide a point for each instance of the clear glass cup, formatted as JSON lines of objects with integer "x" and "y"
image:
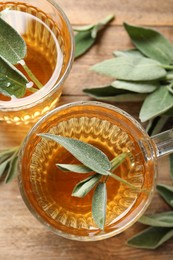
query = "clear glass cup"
{"x": 47, "y": 191}
{"x": 50, "y": 51}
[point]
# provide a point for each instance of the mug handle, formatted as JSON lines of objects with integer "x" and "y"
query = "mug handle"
{"x": 163, "y": 142}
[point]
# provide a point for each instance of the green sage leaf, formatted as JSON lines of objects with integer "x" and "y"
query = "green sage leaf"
{"x": 156, "y": 104}
{"x": 156, "y": 124}
{"x": 12, "y": 81}
{"x": 12, "y": 171}
{"x": 131, "y": 52}
{"x": 87, "y": 154}
{"x": 101, "y": 25}
{"x": 139, "y": 87}
{"x": 151, "y": 43}
{"x": 151, "y": 238}
{"x": 119, "y": 159}
{"x": 99, "y": 202}
{"x": 74, "y": 168}
{"x": 109, "y": 93}
{"x": 84, "y": 187}
{"x": 13, "y": 47}
{"x": 83, "y": 42}
{"x": 131, "y": 68}
{"x": 86, "y": 36}
{"x": 3, "y": 166}
{"x": 166, "y": 192}
{"x": 158, "y": 220}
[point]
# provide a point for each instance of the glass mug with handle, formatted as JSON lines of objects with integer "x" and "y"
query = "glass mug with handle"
{"x": 48, "y": 35}
{"x": 46, "y": 190}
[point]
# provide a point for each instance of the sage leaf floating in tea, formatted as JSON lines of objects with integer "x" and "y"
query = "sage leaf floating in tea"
{"x": 151, "y": 43}
{"x": 12, "y": 46}
{"x": 87, "y": 154}
{"x": 86, "y": 35}
{"x": 12, "y": 81}
{"x": 151, "y": 238}
{"x": 79, "y": 168}
{"x": 99, "y": 202}
{"x": 83, "y": 187}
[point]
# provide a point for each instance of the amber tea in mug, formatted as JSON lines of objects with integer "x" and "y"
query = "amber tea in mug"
{"x": 47, "y": 190}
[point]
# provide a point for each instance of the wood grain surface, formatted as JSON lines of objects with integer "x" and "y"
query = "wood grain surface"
{"x": 21, "y": 236}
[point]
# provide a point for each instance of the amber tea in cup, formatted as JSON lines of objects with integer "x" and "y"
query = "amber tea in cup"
{"x": 47, "y": 190}
{"x": 49, "y": 39}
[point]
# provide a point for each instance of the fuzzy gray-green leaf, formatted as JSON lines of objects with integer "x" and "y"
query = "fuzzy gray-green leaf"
{"x": 151, "y": 238}
{"x": 164, "y": 219}
{"x": 99, "y": 202}
{"x": 156, "y": 103}
{"x": 166, "y": 192}
{"x": 131, "y": 68}
{"x": 151, "y": 43}
{"x": 12, "y": 171}
{"x": 130, "y": 52}
{"x": 78, "y": 168}
{"x": 139, "y": 87}
{"x": 13, "y": 47}
{"x": 109, "y": 93}
{"x": 12, "y": 81}
{"x": 83, "y": 187}
{"x": 83, "y": 42}
{"x": 86, "y": 153}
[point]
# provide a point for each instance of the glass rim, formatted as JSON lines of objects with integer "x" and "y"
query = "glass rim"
{"x": 56, "y": 86}
{"x": 40, "y": 218}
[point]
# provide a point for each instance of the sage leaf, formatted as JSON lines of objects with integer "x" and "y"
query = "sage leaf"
{"x": 155, "y": 125}
{"x": 86, "y": 36}
{"x": 139, "y": 87}
{"x": 84, "y": 187}
{"x": 121, "y": 180}
{"x": 109, "y": 93}
{"x": 12, "y": 81}
{"x": 131, "y": 68}
{"x": 151, "y": 43}
{"x": 166, "y": 192}
{"x": 74, "y": 168}
{"x": 171, "y": 165}
{"x": 12, "y": 171}
{"x": 158, "y": 220}
{"x": 170, "y": 88}
{"x": 119, "y": 159}
{"x": 3, "y": 167}
{"x": 87, "y": 154}
{"x": 131, "y": 52}
{"x": 83, "y": 42}
{"x": 101, "y": 25}
{"x": 151, "y": 238}
{"x": 99, "y": 202}
{"x": 156, "y": 104}
{"x": 13, "y": 47}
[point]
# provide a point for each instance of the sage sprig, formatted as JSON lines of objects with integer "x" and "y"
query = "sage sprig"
{"x": 8, "y": 164}
{"x": 95, "y": 162}
{"x": 13, "y": 50}
{"x": 86, "y": 36}
{"x": 145, "y": 69}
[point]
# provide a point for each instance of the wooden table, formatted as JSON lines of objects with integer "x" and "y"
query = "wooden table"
{"x": 21, "y": 236}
